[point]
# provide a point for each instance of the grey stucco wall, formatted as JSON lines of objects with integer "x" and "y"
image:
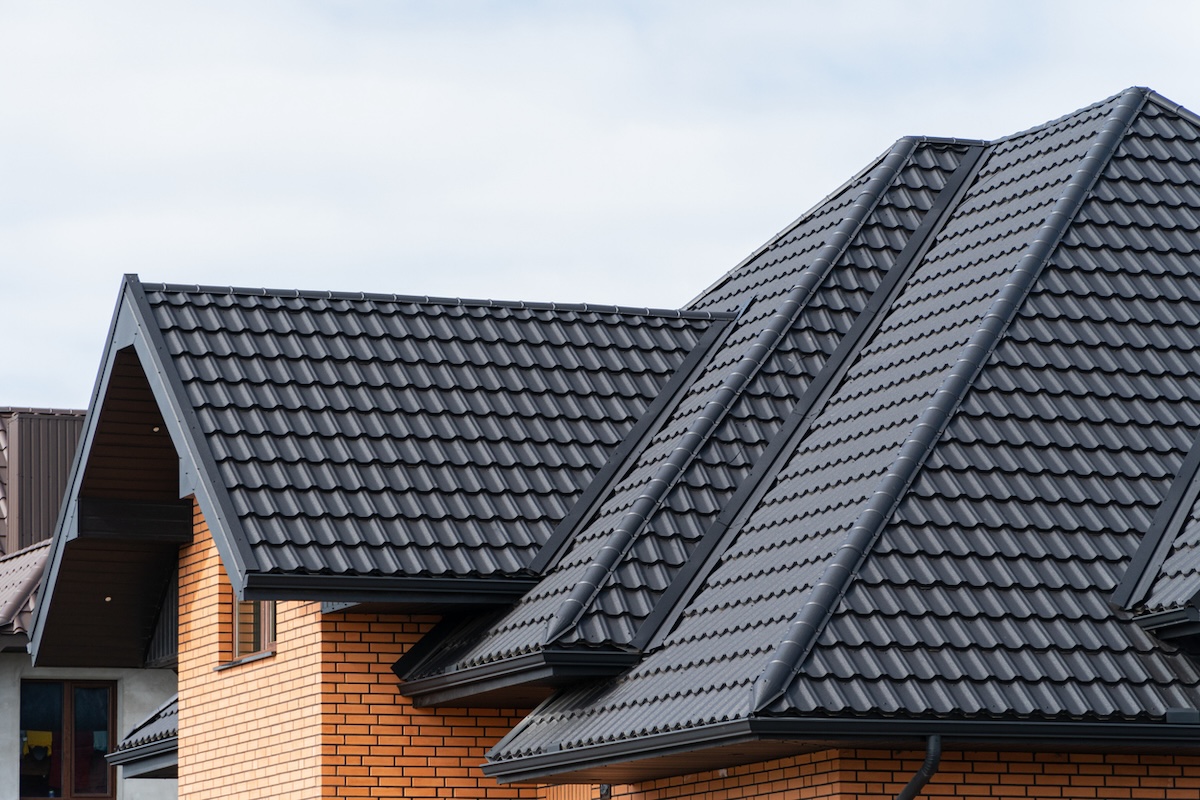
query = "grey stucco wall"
{"x": 139, "y": 693}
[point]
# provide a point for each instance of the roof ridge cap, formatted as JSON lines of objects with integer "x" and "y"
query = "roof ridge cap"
{"x": 722, "y": 398}
{"x": 316, "y": 294}
{"x": 802, "y": 634}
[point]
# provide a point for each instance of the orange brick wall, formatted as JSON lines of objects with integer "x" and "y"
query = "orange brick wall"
{"x": 375, "y": 743}
{"x": 881, "y": 774}
{"x": 322, "y": 717}
{"x": 252, "y": 730}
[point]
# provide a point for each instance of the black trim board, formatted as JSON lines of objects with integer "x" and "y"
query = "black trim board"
{"x": 157, "y": 759}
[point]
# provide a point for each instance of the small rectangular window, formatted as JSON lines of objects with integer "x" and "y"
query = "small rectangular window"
{"x": 66, "y": 728}
{"x": 253, "y": 627}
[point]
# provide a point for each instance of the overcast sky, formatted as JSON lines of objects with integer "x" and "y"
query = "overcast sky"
{"x": 608, "y": 152}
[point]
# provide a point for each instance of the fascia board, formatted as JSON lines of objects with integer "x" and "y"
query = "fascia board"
{"x": 547, "y": 668}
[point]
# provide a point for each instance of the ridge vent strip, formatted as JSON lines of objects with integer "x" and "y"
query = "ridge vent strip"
{"x": 701, "y": 429}
{"x": 789, "y": 656}
{"x": 715, "y": 539}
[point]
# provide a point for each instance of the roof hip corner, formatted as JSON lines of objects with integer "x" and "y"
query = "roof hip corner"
{"x": 805, "y": 628}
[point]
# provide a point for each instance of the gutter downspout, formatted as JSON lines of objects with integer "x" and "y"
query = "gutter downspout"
{"x": 933, "y": 756}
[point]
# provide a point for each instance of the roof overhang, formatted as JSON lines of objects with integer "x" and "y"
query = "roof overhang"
{"x": 121, "y": 523}
{"x": 746, "y": 741}
{"x": 517, "y": 682}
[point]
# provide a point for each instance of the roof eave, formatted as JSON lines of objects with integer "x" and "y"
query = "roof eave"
{"x": 546, "y": 669}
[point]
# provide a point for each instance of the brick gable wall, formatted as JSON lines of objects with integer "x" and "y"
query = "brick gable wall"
{"x": 252, "y": 730}
{"x": 375, "y": 743}
{"x": 322, "y": 717}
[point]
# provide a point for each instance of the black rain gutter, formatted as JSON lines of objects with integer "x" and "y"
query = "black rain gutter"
{"x": 802, "y": 634}
{"x": 812, "y": 733}
{"x": 702, "y": 428}
{"x": 1156, "y": 544}
{"x": 933, "y": 757}
{"x": 598, "y": 488}
{"x": 546, "y": 667}
{"x": 400, "y": 590}
{"x": 813, "y": 401}
{"x": 168, "y": 747}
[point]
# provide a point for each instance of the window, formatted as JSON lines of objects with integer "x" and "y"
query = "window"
{"x": 253, "y": 627}
{"x": 66, "y": 730}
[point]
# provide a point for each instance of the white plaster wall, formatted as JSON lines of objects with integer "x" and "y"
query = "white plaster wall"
{"x": 139, "y": 693}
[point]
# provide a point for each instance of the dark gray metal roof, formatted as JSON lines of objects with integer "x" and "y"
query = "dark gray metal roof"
{"x": 903, "y": 487}
{"x": 343, "y": 446}
{"x": 805, "y": 291}
{"x": 944, "y": 542}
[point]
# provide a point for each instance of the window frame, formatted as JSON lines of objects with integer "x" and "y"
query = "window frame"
{"x": 67, "y": 745}
{"x": 253, "y": 629}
